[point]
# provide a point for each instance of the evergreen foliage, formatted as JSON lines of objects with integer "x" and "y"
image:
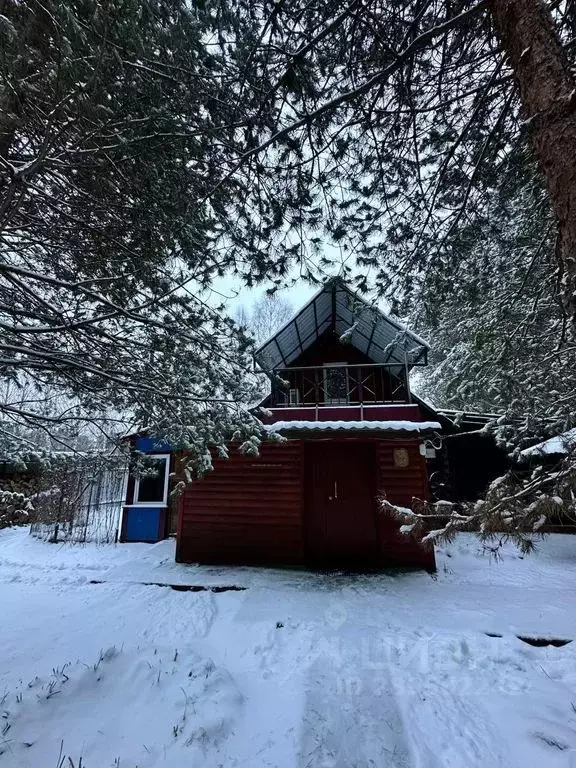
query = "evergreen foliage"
{"x": 500, "y": 337}
{"x": 114, "y": 216}
{"x": 147, "y": 147}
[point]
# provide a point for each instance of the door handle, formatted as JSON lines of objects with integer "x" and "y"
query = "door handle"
{"x": 335, "y": 489}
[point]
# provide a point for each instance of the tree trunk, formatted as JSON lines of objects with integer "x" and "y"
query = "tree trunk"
{"x": 548, "y": 97}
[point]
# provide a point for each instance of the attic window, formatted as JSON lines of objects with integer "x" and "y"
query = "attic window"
{"x": 151, "y": 489}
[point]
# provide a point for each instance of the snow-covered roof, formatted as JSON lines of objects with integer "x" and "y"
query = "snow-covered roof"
{"x": 561, "y": 444}
{"x": 388, "y": 426}
{"x": 383, "y": 338}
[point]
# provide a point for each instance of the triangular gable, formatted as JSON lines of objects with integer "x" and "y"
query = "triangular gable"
{"x": 336, "y": 307}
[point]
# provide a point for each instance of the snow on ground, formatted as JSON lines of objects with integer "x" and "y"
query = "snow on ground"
{"x": 297, "y": 670}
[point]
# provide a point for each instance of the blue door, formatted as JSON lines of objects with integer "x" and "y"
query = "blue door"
{"x": 143, "y": 523}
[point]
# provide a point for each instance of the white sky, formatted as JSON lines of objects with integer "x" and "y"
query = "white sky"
{"x": 233, "y": 293}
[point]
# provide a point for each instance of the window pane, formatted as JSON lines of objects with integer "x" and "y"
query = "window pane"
{"x": 336, "y": 384}
{"x": 151, "y": 487}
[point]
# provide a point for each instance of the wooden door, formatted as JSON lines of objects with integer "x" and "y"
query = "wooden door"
{"x": 340, "y": 507}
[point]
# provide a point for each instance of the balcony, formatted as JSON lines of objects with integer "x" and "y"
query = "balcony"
{"x": 340, "y": 385}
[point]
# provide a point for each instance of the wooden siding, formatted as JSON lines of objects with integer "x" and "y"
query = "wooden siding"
{"x": 250, "y": 510}
{"x": 247, "y": 510}
{"x": 343, "y": 413}
{"x": 400, "y": 485}
{"x": 329, "y": 349}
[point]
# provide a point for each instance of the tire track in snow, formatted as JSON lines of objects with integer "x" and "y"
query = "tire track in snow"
{"x": 351, "y": 717}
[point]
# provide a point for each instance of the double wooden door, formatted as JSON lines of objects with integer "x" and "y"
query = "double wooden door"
{"x": 340, "y": 520}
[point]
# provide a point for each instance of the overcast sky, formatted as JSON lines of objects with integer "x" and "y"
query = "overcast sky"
{"x": 234, "y": 294}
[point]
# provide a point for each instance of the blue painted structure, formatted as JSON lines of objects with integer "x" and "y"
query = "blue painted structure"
{"x": 143, "y": 524}
{"x": 151, "y": 445}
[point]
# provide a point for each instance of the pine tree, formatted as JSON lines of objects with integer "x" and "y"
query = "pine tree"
{"x": 436, "y": 144}
{"x": 147, "y": 147}
{"x": 115, "y": 215}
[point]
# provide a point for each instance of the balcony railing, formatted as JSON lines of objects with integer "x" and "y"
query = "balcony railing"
{"x": 340, "y": 385}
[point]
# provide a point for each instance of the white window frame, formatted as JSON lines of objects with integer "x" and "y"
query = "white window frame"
{"x": 335, "y": 400}
{"x": 164, "y": 502}
{"x": 296, "y": 399}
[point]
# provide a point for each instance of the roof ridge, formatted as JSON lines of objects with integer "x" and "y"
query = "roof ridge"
{"x": 316, "y": 316}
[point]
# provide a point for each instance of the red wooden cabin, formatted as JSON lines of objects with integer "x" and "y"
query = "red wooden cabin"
{"x": 340, "y": 395}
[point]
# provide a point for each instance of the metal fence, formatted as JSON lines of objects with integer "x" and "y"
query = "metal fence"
{"x": 82, "y": 503}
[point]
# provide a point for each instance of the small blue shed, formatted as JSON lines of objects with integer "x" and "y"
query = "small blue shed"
{"x": 146, "y": 514}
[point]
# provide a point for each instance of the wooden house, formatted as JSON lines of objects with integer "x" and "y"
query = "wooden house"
{"x": 340, "y": 395}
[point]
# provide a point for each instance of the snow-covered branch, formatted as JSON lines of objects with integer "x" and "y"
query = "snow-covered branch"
{"x": 515, "y": 507}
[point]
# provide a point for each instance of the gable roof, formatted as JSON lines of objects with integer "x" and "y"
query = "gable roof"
{"x": 335, "y": 306}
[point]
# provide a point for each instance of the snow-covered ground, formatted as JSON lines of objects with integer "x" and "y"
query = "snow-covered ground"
{"x": 296, "y": 670}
